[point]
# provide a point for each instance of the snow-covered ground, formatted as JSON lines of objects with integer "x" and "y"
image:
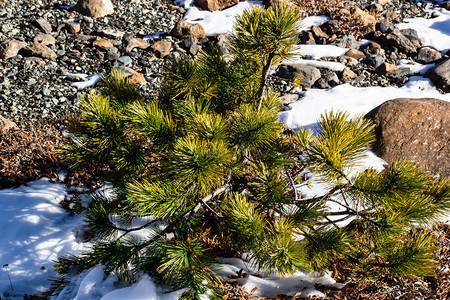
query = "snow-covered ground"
{"x": 35, "y": 230}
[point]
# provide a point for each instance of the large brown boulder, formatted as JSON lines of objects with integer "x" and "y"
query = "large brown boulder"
{"x": 94, "y": 8}
{"x": 212, "y": 5}
{"x": 417, "y": 129}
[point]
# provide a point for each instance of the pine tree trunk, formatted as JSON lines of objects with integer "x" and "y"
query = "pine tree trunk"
{"x": 265, "y": 73}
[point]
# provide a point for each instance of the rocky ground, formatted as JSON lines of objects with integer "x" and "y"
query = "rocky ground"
{"x": 43, "y": 42}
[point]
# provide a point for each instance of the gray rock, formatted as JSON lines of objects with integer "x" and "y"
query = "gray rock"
{"x": 385, "y": 27}
{"x": 374, "y": 60}
{"x": 427, "y": 55}
{"x": 440, "y": 75}
{"x": 398, "y": 40}
{"x": 123, "y": 61}
{"x": 410, "y": 33}
{"x": 308, "y": 74}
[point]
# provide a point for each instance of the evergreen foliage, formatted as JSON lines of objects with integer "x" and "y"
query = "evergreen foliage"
{"x": 207, "y": 169}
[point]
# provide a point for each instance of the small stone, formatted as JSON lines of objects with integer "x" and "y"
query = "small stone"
{"x": 288, "y": 99}
{"x": 184, "y": 29}
{"x": 161, "y": 48}
{"x": 195, "y": 49}
{"x": 42, "y": 25}
{"x": 374, "y": 60}
{"x": 44, "y": 39}
{"x": 73, "y": 27}
{"x": 356, "y": 54}
{"x": 136, "y": 43}
{"x": 213, "y": 5}
{"x": 347, "y": 74}
{"x": 123, "y": 61}
{"x": 10, "y": 48}
{"x": 94, "y": 8}
{"x": 385, "y": 27}
{"x": 373, "y": 48}
{"x": 384, "y": 68}
{"x": 137, "y": 78}
{"x": 318, "y": 32}
{"x": 308, "y": 74}
{"x": 102, "y": 43}
{"x": 427, "y": 55}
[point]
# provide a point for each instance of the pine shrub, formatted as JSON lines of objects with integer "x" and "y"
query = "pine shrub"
{"x": 211, "y": 171}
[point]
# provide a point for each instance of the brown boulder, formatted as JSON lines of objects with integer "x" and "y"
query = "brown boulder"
{"x": 136, "y": 43}
{"x": 161, "y": 48}
{"x": 318, "y": 32}
{"x": 94, "y": 8}
{"x": 356, "y": 54}
{"x": 137, "y": 78}
{"x": 212, "y": 5}
{"x": 10, "y": 48}
{"x": 417, "y": 129}
{"x": 184, "y": 29}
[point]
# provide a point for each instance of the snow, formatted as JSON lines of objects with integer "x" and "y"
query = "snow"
{"x": 432, "y": 32}
{"x": 35, "y": 231}
{"x": 273, "y": 285}
{"x": 353, "y": 100}
{"x": 331, "y": 65}
{"x": 87, "y": 80}
{"x": 319, "y": 51}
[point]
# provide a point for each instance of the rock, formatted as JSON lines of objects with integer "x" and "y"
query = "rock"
{"x": 10, "y": 48}
{"x": 348, "y": 74}
{"x": 307, "y": 38}
{"x": 418, "y": 129}
{"x": 288, "y": 99}
{"x": 73, "y": 27}
{"x": 446, "y": 5}
{"x": 94, "y": 8}
{"x": 410, "y": 33}
{"x": 161, "y": 48}
{"x": 398, "y": 40}
{"x": 365, "y": 18}
{"x": 373, "y": 48}
{"x": 44, "y": 39}
{"x": 102, "y": 43}
{"x": 42, "y": 25}
{"x": 385, "y": 27}
{"x": 112, "y": 53}
{"x": 112, "y": 33}
{"x": 356, "y": 54}
{"x": 40, "y": 50}
{"x": 195, "y": 49}
{"x": 427, "y": 55}
{"x": 268, "y": 3}
{"x": 6, "y": 124}
{"x": 318, "y": 32}
{"x": 308, "y": 74}
{"x": 212, "y": 5}
{"x": 384, "y": 2}
{"x": 184, "y": 29}
{"x": 348, "y": 41}
{"x": 440, "y": 75}
{"x": 223, "y": 42}
{"x": 384, "y": 68}
{"x": 123, "y": 61}
{"x": 137, "y": 78}
{"x": 374, "y": 60}
{"x": 136, "y": 43}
